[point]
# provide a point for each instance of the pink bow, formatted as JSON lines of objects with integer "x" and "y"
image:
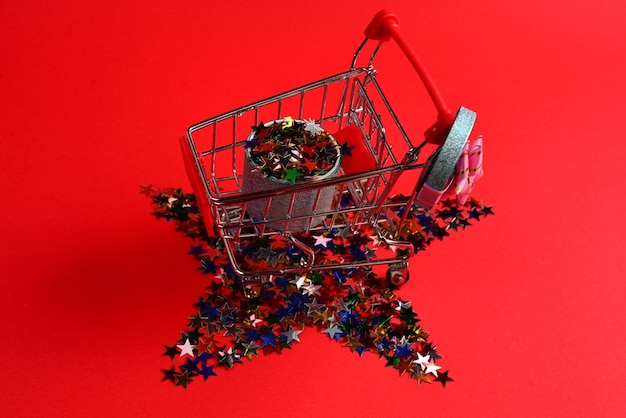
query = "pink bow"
{"x": 468, "y": 170}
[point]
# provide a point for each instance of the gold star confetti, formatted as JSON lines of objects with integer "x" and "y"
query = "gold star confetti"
{"x": 353, "y": 307}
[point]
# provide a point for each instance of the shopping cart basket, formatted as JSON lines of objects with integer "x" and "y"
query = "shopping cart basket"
{"x": 352, "y": 106}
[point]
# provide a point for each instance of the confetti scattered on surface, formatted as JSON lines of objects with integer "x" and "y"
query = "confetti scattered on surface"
{"x": 293, "y": 150}
{"x": 354, "y": 307}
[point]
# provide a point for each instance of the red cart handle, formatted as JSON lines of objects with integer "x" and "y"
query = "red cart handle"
{"x": 384, "y": 26}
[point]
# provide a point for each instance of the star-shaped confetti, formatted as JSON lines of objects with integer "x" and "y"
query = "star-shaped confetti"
{"x": 321, "y": 240}
{"x": 292, "y": 174}
{"x": 292, "y": 335}
{"x": 352, "y": 306}
{"x": 186, "y": 349}
{"x": 312, "y": 128}
{"x": 292, "y": 150}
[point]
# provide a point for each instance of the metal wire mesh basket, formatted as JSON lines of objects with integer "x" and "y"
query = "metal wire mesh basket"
{"x": 352, "y": 107}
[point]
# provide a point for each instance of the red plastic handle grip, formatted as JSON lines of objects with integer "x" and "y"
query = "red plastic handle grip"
{"x": 385, "y": 26}
{"x": 378, "y": 27}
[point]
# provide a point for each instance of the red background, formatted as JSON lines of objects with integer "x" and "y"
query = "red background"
{"x": 526, "y": 307}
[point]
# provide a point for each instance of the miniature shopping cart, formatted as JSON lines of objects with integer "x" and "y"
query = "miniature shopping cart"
{"x": 352, "y": 106}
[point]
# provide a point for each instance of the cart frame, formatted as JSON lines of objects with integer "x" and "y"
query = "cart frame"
{"x": 213, "y": 152}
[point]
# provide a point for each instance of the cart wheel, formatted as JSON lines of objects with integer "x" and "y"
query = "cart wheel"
{"x": 397, "y": 277}
{"x": 252, "y": 288}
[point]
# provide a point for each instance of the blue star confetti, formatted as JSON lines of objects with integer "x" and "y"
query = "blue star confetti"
{"x": 354, "y": 307}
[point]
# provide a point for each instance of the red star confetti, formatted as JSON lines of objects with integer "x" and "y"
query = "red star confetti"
{"x": 353, "y": 307}
{"x": 291, "y": 150}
